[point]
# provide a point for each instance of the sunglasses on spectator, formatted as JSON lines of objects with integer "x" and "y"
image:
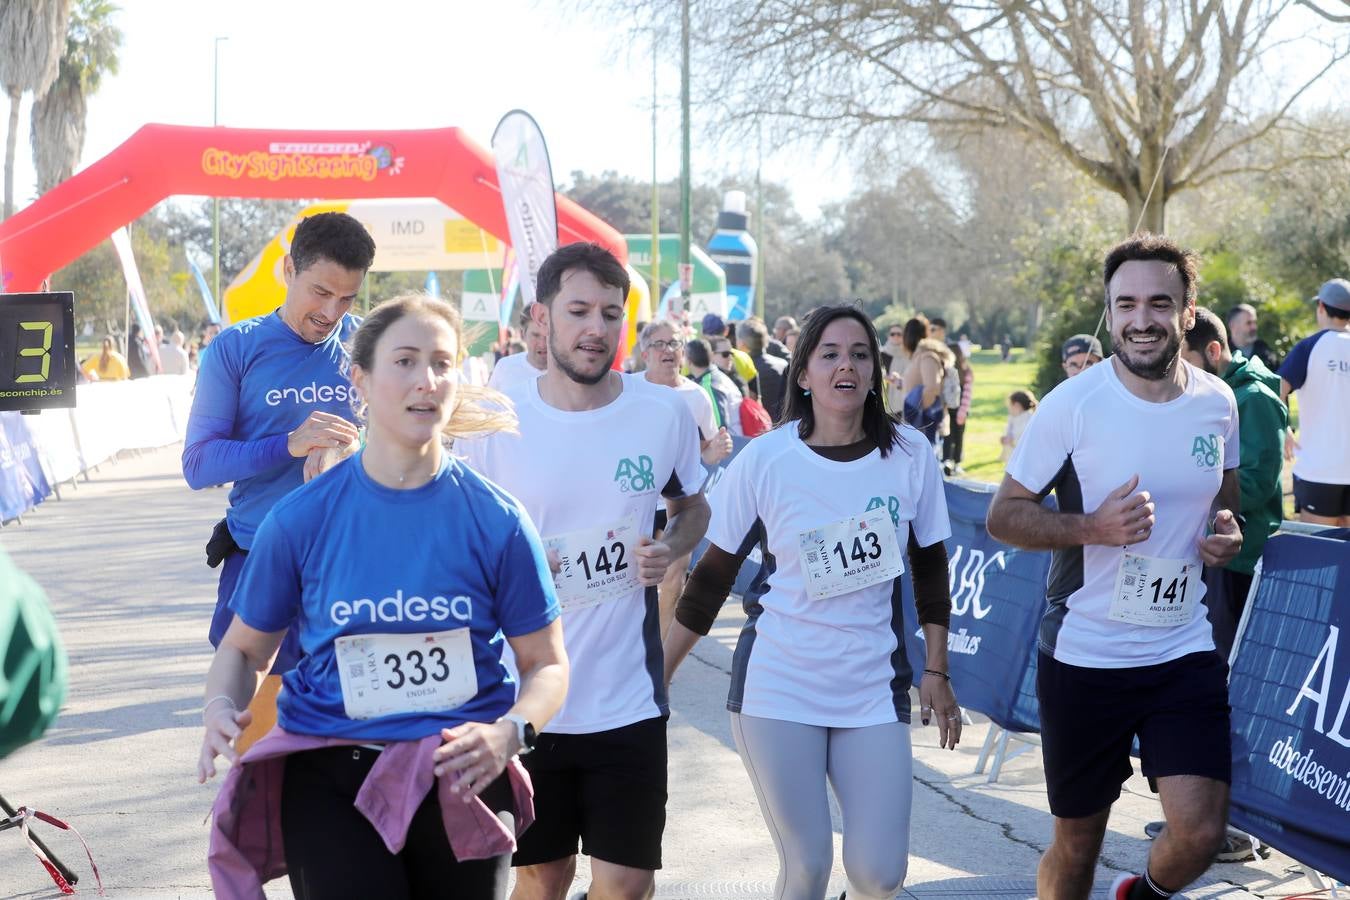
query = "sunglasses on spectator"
{"x": 723, "y": 352}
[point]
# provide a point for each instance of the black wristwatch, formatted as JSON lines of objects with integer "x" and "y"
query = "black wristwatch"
{"x": 525, "y": 733}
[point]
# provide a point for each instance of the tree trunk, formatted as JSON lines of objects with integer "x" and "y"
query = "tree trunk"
{"x": 15, "y": 96}
{"x": 1151, "y": 218}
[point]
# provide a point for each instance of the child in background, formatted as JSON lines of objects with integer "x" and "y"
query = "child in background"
{"x": 1021, "y": 404}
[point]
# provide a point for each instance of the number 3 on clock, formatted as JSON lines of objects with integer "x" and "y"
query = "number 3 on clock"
{"x": 28, "y": 352}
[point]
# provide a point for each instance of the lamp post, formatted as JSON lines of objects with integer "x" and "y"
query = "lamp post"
{"x": 215, "y": 201}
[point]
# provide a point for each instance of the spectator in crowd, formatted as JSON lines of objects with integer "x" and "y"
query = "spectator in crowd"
{"x": 108, "y": 365}
{"x": 192, "y": 354}
{"x": 512, "y": 370}
{"x": 208, "y": 335}
{"x": 895, "y": 356}
{"x": 715, "y": 327}
{"x": 516, "y": 347}
{"x": 953, "y": 445}
{"x": 1021, "y": 404}
{"x": 937, "y": 329}
{"x": 1006, "y": 349}
{"x": 1262, "y": 420}
{"x": 1079, "y": 353}
{"x": 770, "y": 371}
{"x": 1319, "y": 369}
{"x": 778, "y": 345}
{"x": 138, "y": 356}
{"x": 790, "y": 339}
{"x": 966, "y": 346}
{"x": 1241, "y": 323}
{"x": 172, "y": 357}
{"x": 921, "y": 386}
{"x": 722, "y": 391}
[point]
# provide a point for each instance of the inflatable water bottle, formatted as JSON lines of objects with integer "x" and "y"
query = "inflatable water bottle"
{"x": 734, "y": 250}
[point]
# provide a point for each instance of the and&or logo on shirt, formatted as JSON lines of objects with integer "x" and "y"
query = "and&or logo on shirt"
{"x": 1205, "y": 450}
{"x": 892, "y": 505}
{"x": 635, "y": 476}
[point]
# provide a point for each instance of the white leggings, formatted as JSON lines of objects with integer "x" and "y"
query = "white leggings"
{"x": 870, "y": 770}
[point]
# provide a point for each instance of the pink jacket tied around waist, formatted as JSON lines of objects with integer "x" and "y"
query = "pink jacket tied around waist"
{"x": 246, "y": 845}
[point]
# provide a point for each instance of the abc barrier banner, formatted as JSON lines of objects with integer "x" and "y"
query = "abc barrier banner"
{"x": 22, "y": 482}
{"x": 998, "y": 595}
{"x": 1289, "y": 687}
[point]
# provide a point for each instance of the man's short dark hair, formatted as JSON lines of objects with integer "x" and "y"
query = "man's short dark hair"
{"x": 698, "y": 353}
{"x": 1145, "y": 246}
{"x": 1207, "y": 328}
{"x": 1236, "y": 310}
{"x": 334, "y": 236}
{"x": 939, "y": 322}
{"x": 582, "y": 255}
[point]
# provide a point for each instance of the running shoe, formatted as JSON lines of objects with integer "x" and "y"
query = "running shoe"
{"x": 1153, "y": 829}
{"x": 1120, "y": 888}
{"x": 1238, "y": 847}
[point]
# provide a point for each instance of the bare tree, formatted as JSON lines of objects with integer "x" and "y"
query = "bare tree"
{"x": 59, "y": 116}
{"x": 1330, "y": 13}
{"x": 32, "y": 40}
{"x": 1147, "y": 98}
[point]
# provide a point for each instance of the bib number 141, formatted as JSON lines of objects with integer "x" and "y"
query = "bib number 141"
{"x": 1154, "y": 592}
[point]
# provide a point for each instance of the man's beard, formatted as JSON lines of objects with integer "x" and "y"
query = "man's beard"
{"x": 571, "y": 371}
{"x": 1155, "y": 371}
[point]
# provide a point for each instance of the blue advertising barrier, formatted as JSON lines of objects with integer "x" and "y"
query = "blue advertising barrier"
{"x": 1289, "y": 687}
{"x": 22, "y": 482}
{"x": 998, "y": 595}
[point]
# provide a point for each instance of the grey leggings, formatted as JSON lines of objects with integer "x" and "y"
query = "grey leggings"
{"x": 870, "y": 770}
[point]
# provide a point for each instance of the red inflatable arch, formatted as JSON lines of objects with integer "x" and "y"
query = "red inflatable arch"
{"x": 159, "y": 161}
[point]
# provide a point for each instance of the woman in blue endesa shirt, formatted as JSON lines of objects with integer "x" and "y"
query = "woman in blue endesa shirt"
{"x": 397, "y": 730}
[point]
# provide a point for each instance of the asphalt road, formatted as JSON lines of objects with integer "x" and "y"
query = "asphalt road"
{"x": 122, "y": 562}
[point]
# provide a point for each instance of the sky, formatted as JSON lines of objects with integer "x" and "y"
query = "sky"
{"x": 330, "y": 64}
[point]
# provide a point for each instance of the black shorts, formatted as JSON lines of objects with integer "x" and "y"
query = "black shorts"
{"x": 607, "y": 789}
{"x": 1089, "y": 718}
{"x": 1328, "y": 500}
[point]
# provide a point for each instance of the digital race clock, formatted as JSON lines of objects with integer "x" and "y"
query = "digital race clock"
{"x": 37, "y": 350}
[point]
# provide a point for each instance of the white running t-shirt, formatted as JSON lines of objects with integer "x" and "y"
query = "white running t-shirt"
{"x": 512, "y": 371}
{"x": 1318, "y": 368}
{"x": 1089, "y": 436}
{"x": 837, "y": 661}
{"x": 590, "y": 480}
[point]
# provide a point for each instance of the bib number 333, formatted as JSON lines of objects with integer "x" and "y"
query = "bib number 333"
{"x": 850, "y": 555}
{"x": 384, "y": 674}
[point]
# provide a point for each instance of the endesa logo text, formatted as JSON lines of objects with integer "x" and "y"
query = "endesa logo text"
{"x": 311, "y": 393}
{"x": 399, "y": 608}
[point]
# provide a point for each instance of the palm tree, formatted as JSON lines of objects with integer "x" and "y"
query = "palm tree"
{"x": 59, "y": 116}
{"x": 32, "y": 40}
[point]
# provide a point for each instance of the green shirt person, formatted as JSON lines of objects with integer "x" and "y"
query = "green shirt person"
{"x": 32, "y": 661}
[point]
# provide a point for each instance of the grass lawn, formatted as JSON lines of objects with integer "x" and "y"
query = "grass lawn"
{"x": 994, "y": 380}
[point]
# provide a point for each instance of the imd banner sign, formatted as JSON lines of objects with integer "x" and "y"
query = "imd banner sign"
{"x": 998, "y": 595}
{"x": 1289, "y": 687}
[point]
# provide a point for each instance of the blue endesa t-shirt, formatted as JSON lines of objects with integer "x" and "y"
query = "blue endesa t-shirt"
{"x": 347, "y": 556}
{"x": 265, "y": 379}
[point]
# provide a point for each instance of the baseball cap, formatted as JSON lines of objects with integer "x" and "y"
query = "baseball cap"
{"x": 713, "y": 324}
{"x": 1335, "y": 293}
{"x": 1081, "y": 343}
